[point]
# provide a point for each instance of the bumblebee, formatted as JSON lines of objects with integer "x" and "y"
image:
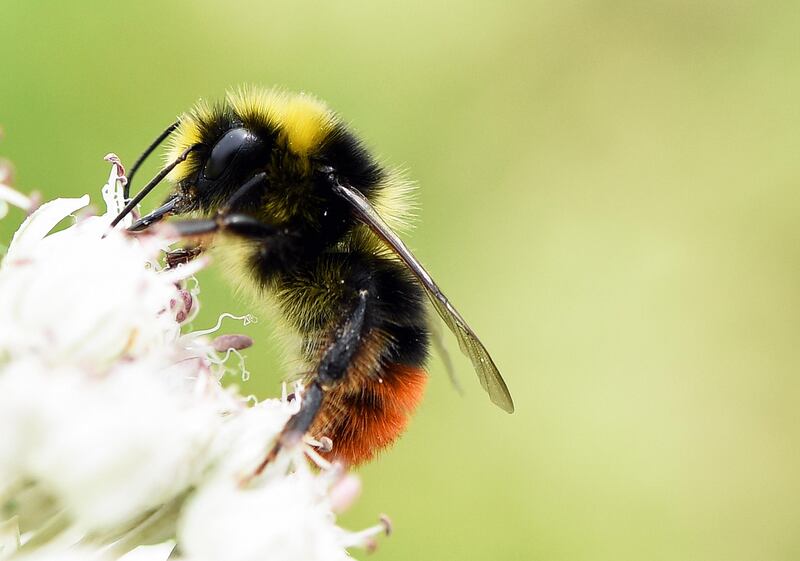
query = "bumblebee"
{"x": 304, "y": 217}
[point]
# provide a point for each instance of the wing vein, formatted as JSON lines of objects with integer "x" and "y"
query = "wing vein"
{"x": 488, "y": 374}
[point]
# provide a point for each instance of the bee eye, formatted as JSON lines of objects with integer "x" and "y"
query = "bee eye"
{"x": 239, "y": 146}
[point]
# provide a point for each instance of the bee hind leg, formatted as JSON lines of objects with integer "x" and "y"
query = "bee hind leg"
{"x": 330, "y": 371}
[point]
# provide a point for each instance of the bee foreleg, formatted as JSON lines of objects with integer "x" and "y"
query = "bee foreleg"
{"x": 158, "y": 214}
{"x": 332, "y": 368}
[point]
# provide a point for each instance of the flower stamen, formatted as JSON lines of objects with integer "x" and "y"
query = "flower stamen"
{"x": 366, "y": 538}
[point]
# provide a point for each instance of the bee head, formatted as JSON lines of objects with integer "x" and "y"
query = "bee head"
{"x": 238, "y": 151}
{"x": 217, "y": 150}
{"x": 230, "y": 162}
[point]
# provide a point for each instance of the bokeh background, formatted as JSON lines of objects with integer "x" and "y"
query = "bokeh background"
{"x": 609, "y": 194}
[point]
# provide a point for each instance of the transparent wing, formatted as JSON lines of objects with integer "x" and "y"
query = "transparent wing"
{"x": 470, "y": 345}
{"x": 437, "y": 340}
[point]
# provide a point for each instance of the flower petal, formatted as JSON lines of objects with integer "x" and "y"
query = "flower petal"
{"x": 38, "y": 224}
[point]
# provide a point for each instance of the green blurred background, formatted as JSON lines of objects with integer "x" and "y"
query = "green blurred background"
{"x": 609, "y": 194}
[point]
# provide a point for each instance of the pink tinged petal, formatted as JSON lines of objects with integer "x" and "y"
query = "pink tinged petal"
{"x": 113, "y": 190}
{"x": 182, "y": 306}
{"x": 117, "y": 166}
{"x": 188, "y": 300}
{"x": 6, "y": 172}
{"x": 344, "y": 493}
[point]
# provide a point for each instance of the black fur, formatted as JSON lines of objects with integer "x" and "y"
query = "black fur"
{"x": 307, "y": 253}
{"x": 344, "y": 152}
{"x": 396, "y": 304}
{"x": 303, "y": 245}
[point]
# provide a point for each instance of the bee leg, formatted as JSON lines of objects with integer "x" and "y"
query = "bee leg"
{"x": 241, "y": 224}
{"x": 158, "y": 214}
{"x": 176, "y": 200}
{"x": 296, "y": 426}
{"x": 242, "y": 191}
{"x": 332, "y": 368}
{"x": 181, "y": 256}
{"x": 233, "y": 222}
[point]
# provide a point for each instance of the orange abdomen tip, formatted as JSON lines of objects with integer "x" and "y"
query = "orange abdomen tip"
{"x": 365, "y": 417}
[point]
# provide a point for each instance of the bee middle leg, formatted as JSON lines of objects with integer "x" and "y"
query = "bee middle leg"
{"x": 330, "y": 371}
{"x": 235, "y": 223}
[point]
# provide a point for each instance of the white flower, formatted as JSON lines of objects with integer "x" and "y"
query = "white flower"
{"x": 117, "y": 431}
{"x": 75, "y": 297}
{"x": 243, "y": 438}
{"x": 102, "y": 445}
{"x": 286, "y": 514}
{"x": 63, "y": 554}
{"x": 281, "y": 517}
{"x": 289, "y": 518}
